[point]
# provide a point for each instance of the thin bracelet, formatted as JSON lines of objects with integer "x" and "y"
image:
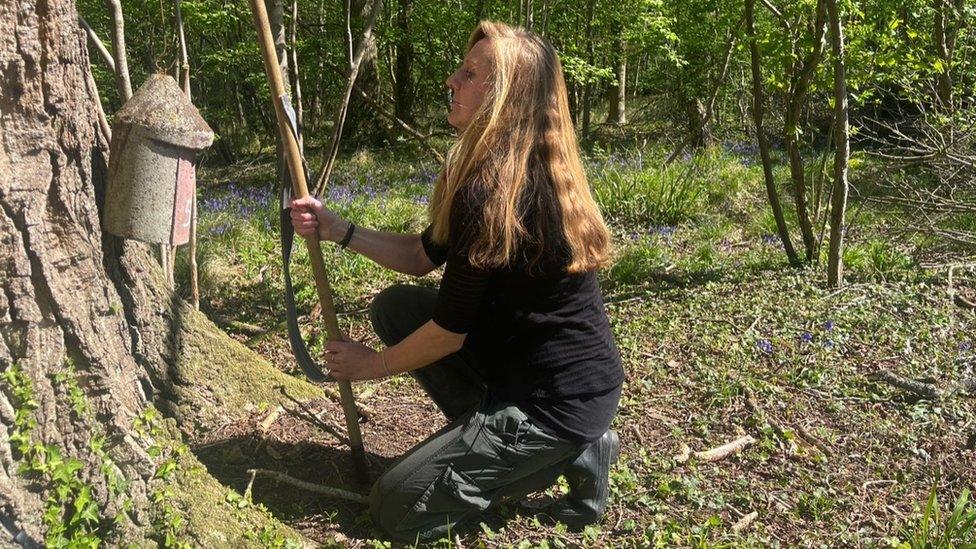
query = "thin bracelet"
{"x": 346, "y": 239}
{"x": 385, "y": 367}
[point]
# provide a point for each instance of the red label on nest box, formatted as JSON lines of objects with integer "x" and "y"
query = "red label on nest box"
{"x": 183, "y": 203}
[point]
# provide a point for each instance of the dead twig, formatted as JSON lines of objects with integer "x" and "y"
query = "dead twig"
{"x": 744, "y": 522}
{"x": 715, "y": 454}
{"x": 268, "y": 421}
{"x": 809, "y": 438}
{"x": 337, "y": 493}
{"x": 964, "y": 303}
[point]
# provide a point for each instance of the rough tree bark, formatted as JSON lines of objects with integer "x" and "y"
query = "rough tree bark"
{"x": 90, "y": 339}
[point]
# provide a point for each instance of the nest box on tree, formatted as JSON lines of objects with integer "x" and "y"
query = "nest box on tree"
{"x": 152, "y": 178}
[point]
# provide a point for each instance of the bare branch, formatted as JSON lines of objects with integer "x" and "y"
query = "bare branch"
{"x": 97, "y": 42}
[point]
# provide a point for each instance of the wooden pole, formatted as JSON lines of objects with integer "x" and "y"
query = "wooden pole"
{"x": 185, "y": 84}
{"x": 300, "y": 187}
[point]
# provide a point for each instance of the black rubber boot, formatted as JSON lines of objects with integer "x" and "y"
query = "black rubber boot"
{"x": 589, "y": 483}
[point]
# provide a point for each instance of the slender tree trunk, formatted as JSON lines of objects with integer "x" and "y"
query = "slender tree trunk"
{"x": 617, "y": 93}
{"x": 588, "y": 87}
{"x": 717, "y": 84}
{"x": 403, "y": 85}
{"x": 943, "y": 90}
{"x": 99, "y": 45}
{"x": 758, "y": 98}
{"x": 528, "y": 14}
{"x": 795, "y": 104}
{"x": 363, "y": 124}
{"x": 838, "y": 200}
{"x": 122, "y": 81}
{"x": 185, "y": 84}
{"x": 367, "y": 42}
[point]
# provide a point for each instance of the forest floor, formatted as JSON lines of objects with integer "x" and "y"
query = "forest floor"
{"x": 720, "y": 338}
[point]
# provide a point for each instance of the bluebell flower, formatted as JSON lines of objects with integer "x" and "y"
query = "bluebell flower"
{"x": 765, "y": 346}
{"x": 220, "y": 230}
{"x": 663, "y": 231}
{"x": 770, "y": 239}
{"x": 965, "y": 346}
{"x": 806, "y": 337}
{"x": 829, "y": 325}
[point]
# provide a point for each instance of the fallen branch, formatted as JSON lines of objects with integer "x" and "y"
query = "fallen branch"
{"x": 809, "y": 438}
{"x": 964, "y": 303}
{"x": 337, "y": 493}
{"x": 715, "y": 454}
{"x": 918, "y": 388}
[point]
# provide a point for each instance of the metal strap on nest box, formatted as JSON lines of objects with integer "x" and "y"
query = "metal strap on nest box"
{"x": 313, "y": 371}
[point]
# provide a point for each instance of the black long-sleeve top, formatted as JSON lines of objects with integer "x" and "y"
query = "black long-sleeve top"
{"x": 541, "y": 339}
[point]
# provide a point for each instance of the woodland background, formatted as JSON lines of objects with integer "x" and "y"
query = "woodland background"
{"x": 791, "y": 187}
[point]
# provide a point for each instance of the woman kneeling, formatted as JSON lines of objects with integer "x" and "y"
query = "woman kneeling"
{"x": 515, "y": 347}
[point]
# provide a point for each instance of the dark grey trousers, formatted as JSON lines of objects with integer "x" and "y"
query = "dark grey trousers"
{"x": 488, "y": 453}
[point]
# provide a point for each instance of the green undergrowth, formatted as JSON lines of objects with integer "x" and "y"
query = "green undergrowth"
{"x": 188, "y": 508}
{"x": 73, "y": 514}
{"x": 708, "y": 316}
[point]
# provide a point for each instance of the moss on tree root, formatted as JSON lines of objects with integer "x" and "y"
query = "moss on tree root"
{"x": 217, "y": 379}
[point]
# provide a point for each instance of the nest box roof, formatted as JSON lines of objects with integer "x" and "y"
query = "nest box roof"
{"x": 161, "y": 106}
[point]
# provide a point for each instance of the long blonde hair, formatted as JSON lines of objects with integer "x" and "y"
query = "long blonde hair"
{"x": 519, "y": 154}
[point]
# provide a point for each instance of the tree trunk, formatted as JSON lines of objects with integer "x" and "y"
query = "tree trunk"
{"x": 796, "y": 101}
{"x": 617, "y": 95}
{"x": 588, "y": 87}
{"x": 527, "y": 14}
{"x": 363, "y": 125}
{"x": 403, "y": 85}
{"x": 91, "y": 342}
{"x": 940, "y": 38}
{"x": 838, "y": 199}
{"x": 697, "y": 126}
{"x": 758, "y": 98}
{"x": 123, "y": 83}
